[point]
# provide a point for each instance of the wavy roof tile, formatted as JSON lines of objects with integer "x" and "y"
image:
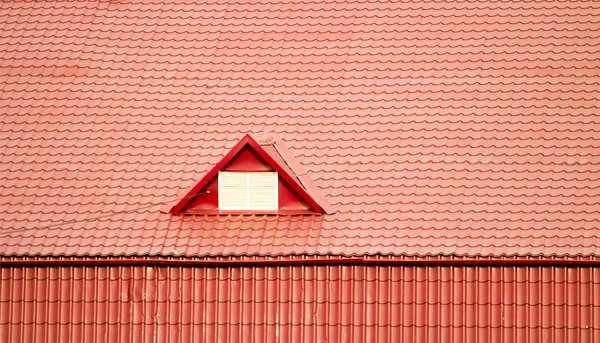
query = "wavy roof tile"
{"x": 432, "y": 127}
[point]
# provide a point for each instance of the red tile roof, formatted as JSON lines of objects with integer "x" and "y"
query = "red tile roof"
{"x": 432, "y": 127}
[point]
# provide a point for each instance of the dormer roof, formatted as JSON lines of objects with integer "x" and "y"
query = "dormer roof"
{"x": 300, "y": 195}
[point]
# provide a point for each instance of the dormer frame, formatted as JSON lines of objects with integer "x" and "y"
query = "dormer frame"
{"x": 293, "y": 182}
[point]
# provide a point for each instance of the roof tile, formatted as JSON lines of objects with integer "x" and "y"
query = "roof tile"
{"x": 446, "y": 127}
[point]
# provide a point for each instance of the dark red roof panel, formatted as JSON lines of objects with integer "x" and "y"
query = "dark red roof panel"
{"x": 300, "y": 304}
{"x": 445, "y": 127}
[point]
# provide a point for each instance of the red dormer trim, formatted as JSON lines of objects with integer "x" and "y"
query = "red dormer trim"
{"x": 293, "y": 180}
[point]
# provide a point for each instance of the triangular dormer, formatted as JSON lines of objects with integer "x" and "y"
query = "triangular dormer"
{"x": 256, "y": 176}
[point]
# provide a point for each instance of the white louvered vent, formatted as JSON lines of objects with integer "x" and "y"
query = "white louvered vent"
{"x": 248, "y": 191}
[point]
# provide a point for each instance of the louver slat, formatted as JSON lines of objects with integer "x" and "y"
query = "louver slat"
{"x": 262, "y": 191}
{"x": 248, "y": 191}
{"x": 233, "y": 191}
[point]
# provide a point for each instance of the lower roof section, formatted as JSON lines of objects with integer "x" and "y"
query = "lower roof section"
{"x": 301, "y": 303}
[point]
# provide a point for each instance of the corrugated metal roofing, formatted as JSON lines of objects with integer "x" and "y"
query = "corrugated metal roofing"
{"x": 444, "y": 127}
{"x": 333, "y": 303}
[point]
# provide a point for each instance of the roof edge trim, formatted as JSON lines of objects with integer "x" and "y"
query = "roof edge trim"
{"x": 329, "y": 261}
